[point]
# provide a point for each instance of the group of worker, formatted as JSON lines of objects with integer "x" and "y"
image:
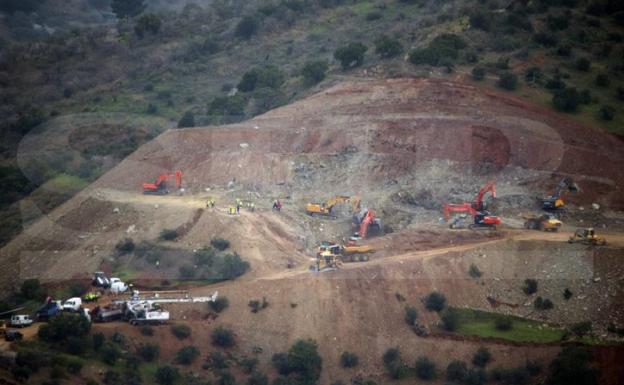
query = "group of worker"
{"x": 235, "y": 210}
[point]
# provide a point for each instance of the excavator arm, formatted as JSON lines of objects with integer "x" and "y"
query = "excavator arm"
{"x": 160, "y": 185}
{"x": 478, "y": 201}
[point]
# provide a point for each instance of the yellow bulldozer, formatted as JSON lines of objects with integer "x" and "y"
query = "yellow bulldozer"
{"x": 326, "y": 207}
{"x": 545, "y": 222}
{"x": 332, "y": 255}
{"x": 587, "y": 237}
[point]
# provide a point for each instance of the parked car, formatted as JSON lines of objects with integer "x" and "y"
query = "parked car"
{"x": 118, "y": 286}
{"x": 21, "y": 320}
{"x": 72, "y": 304}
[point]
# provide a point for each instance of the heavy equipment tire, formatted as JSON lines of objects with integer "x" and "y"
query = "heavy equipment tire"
{"x": 540, "y": 226}
{"x": 355, "y": 258}
{"x": 365, "y": 258}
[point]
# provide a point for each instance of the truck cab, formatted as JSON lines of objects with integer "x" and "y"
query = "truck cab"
{"x": 72, "y": 304}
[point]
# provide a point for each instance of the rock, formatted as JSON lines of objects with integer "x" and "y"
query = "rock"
{"x": 244, "y": 145}
{"x": 116, "y": 210}
{"x": 595, "y": 206}
{"x": 131, "y": 229}
{"x": 156, "y": 206}
{"x": 597, "y": 279}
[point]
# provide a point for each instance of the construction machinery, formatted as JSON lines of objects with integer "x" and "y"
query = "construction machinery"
{"x": 555, "y": 202}
{"x": 326, "y": 207}
{"x": 587, "y": 236}
{"x": 333, "y": 255}
{"x": 367, "y": 223}
{"x": 49, "y": 309}
{"x": 101, "y": 280}
{"x": 107, "y": 313}
{"x": 544, "y": 222}
{"x": 160, "y": 186}
{"x": 481, "y": 217}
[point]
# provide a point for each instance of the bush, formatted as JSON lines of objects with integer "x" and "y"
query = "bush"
{"x": 220, "y": 304}
{"x": 503, "y": 323}
{"x": 181, "y": 331}
{"x": 187, "y": 355}
{"x": 147, "y": 23}
{"x": 474, "y": 271}
{"x": 387, "y": 47}
{"x": 77, "y": 289}
{"x": 227, "y": 109}
{"x": 374, "y": 15}
{"x": 450, "y": 320}
{"x": 204, "y": 256}
{"x": 249, "y": 364}
{"x": 149, "y": 352}
{"x": 533, "y": 368}
{"x": 481, "y": 357}
{"x": 110, "y": 353}
{"x": 391, "y": 355}
{"x": 77, "y": 345}
{"x": 125, "y": 246}
{"x": 475, "y": 377}
{"x": 602, "y": 80}
{"x": 507, "y": 81}
{"x": 304, "y": 361}
{"x": 256, "y": 305}
{"x": 566, "y": 100}
{"x": 582, "y": 64}
{"x": 187, "y": 271}
{"x": 607, "y": 113}
{"x": 21, "y": 373}
{"x": 98, "y": 340}
{"x": 127, "y": 8}
{"x": 425, "y": 368}
{"x": 232, "y": 266}
{"x": 533, "y": 75}
{"x": 349, "y": 360}
{"x": 266, "y": 77}
{"x": 478, "y": 73}
{"x": 351, "y": 55}
{"x": 585, "y": 97}
{"x": 247, "y": 27}
{"x": 187, "y": 120}
{"x": 31, "y": 289}
{"x": 581, "y": 329}
{"x": 572, "y": 366}
{"x": 530, "y": 286}
{"x": 60, "y": 327}
{"x": 74, "y": 366}
{"x": 147, "y": 330}
{"x": 151, "y": 109}
{"x": 280, "y": 363}
{"x": 545, "y": 39}
{"x": 435, "y": 301}
{"x": 456, "y": 371}
{"x": 218, "y": 360}
{"x": 543, "y": 303}
{"x": 220, "y": 243}
{"x": 167, "y": 375}
{"x": 222, "y": 337}
{"x": 313, "y": 72}
{"x": 480, "y": 20}
{"x": 257, "y": 378}
{"x": 410, "y": 315}
{"x": 112, "y": 378}
{"x": 227, "y": 378}
{"x": 168, "y": 234}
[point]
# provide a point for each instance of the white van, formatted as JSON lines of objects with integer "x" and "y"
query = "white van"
{"x": 72, "y": 304}
{"x": 21, "y": 320}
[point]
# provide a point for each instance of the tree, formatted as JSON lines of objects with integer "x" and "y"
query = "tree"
{"x": 313, "y": 72}
{"x": 110, "y": 353}
{"x": 481, "y": 357}
{"x": 566, "y": 100}
{"x": 62, "y": 326}
{"x": 187, "y": 355}
{"x": 508, "y": 81}
{"x": 280, "y": 363}
{"x": 31, "y": 289}
{"x": 232, "y": 266}
{"x": 435, "y": 301}
{"x": 187, "y": 120}
{"x": 533, "y": 75}
{"x": 607, "y": 113}
{"x": 349, "y": 360}
{"x": 304, "y": 361}
{"x": 572, "y": 366}
{"x": 257, "y": 378}
{"x": 247, "y": 27}
{"x": 351, "y": 55}
{"x": 220, "y": 304}
{"x": 220, "y": 243}
{"x": 450, "y": 320}
{"x": 125, "y": 246}
{"x": 222, "y": 337}
{"x": 127, "y": 8}
{"x": 181, "y": 331}
{"x": 530, "y": 286}
{"x": 147, "y": 23}
{"x": 478, "y": 73}
{"x": 503, "y": 323}
{"x": 167, "y": 375}
{"x": 456, "y": 371}
{"x": 410, "y": 315}
{"x": 387, "y": 47}
{"x": 149, "y": 352}
{"x": 425, "y": 368}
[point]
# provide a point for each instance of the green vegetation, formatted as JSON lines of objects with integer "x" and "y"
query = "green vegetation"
{"x": 387, "y": 47}
{"x": 508, "y": 81}
{"x": 187, "y": 120}
{"x": 442, "y": 50}
{"x": 572, "y": 366}
{"x": 530, "y": 286}
{"x": 220, "y": 243}
{"x": 147, "y": 23}
{"x": 167, "y": 375}
{"x": 349, "y": 360}
{"x": 181, "y": 331}
{"x": 425, "y": 368}
{"x": 351, "y": 55}
{"x": 302, "y": 362}
{"x": 481, "y": 357}
{"x": 247, "y": 27}
{"x": 394, "y": 364}
{"x": 313, "y": 72}
{"x": 222, "y": 337}
{"x": 456, "y": 371}
{"x": 220, "y": 304}
{"x": 474, "y": 271}
{"x": 411, "y": 314}
{"x": 186, "y": 355}
{"x": 257, "y": 305}
{"x": 435, "y": 301}
{"x": 168, "y": 234}
{"x": 149, "y": 352}
{"x": 543, "y": 303}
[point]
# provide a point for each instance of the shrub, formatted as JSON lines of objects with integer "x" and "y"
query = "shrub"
{"x": 351, "y": 55}
{"x": 256, "y": 305}
{"x": 425, "y": 368}
{"x": 147, "y": 330}
{"x": 220, "y": 304}
{"x": 227, "y": 378}
{"x": 508, "y": 81}
{"x": 77, "y": 289}
{"x": 481, "y": 357}
{"x": 187, "y": 120}
{"x": 220, "y": 243}
{"x": 280, "y": 363}
{"x": 151, "y": 109}
{"x": 74, "y": 366}
{"x": 545, "y": 39}
{"x": 374, "y": 15}
{"x": 218, "y": 360}
{"x": 480, "y": 20}
{"x": 502, "y": 63}
{"x": 566, "y": 100}
{"x": 187, "y": 355}
{"x": 204, "y": 256}
{"x": 181, "y": 331}
{"x": 475, "y": 377}
{"x": 247, "y": 27}
{"x": 391, "y": 355}
{"x": 602, "y": 80}
{"x": 580, "y": 329}
{"x": 98, "y": 340}
{"x": 21, "y": 373}
{"x": 77, "y": 345}
{"x": 572, "y": 366}
{"x": 503, "y": 323}
{"x": 533, "y": 75}
{"x": 387, "y": 47}
{"x": 265, "y": 77}
{"x": 450, "y": 320}
{"x": 567, "y": 294}
{"x": 543, "y": 303}
{"x": 257, "y": 378}
{"x": 222, "y": 337}
{"x": 313, "y": 72}
{"x": 149, "y": 352}
{"x": 168, "y": 234}
{"x": 147, "y": 23}
{"x": 227, "y": 109}
{"x": 533, "y": 368}
{"x": 187, "y": 271}
{"x": 435, "y": 301}
{"x": 127, "y": 8}
{"x": 478, "y": 73}
{"x": 474, "y": 271}
{"x": 232, "y": 266}
{"x": 456, "y": 371}
{"x": 249, "y": 364}
{"x": 585, "y": 97}
{"x": 110, "y": 353}
{"x": 304, "y": 361}
{"x": 60, "y": 327}
{"x": 31, "y": 289}
{"x": 410, "y": 315}
{"x": 607, "y": 113}
{"x": 125, "y": 246}
{"x": 530, "y": 286}
{"x": 582, "y": 64}
{"x": 167, "y": 375}
{"x": 112, "y": 378}
{"x": 349, "y": 360}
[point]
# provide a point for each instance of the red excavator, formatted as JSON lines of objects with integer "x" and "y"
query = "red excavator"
{"x": 159, "y": 187}
{"x": 368, "y": 222}
{"x": 476, "y": 209}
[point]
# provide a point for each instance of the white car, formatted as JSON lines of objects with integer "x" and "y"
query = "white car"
{"x": 21, "y": 320}
{"x": 72, "y": 304}
{"x": 118, "y": 286}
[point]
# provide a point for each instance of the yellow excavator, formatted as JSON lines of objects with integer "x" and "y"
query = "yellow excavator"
{"x": 326, "y": 207}
{"x": 587, "y": 237}
{"x": 333, "y": 255}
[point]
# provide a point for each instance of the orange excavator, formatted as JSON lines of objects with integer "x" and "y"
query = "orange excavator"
{"x": 159, "y": 187}
{"x": 482, "y": 218}
{"x": 367, "y": 223}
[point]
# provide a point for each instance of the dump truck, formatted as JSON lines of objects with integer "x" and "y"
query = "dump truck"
{"x": 545, "y": 222}
{"x": 587, "y": 236}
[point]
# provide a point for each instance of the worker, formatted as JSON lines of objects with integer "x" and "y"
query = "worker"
{"x": 212, "y": 203}
{"x": 277, "y": 205}
{"x": 252, "y": 207}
